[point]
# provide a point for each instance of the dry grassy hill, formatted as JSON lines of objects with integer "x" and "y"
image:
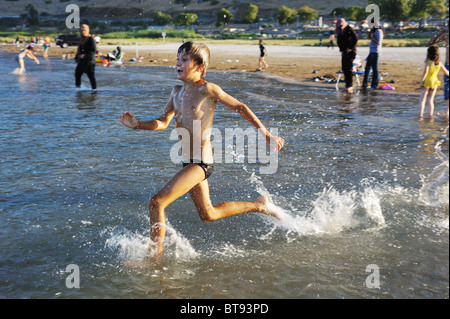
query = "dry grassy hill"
{"x": 133, "y": 9}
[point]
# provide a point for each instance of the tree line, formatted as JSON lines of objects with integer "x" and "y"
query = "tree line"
{"x": 390, "y": 10}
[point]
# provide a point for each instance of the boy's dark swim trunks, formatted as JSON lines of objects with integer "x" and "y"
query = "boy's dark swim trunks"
{"x": 207, "y": 168}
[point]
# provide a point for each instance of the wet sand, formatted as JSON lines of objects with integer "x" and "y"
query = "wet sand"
{"x": 400, "y": 67}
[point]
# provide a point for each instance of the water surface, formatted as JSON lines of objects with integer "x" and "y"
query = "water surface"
{"x": 361, "y": 182}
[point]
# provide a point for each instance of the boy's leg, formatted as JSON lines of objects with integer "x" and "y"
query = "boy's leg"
{"x": 179, "y": 185}
{"x": 208, "y": 212}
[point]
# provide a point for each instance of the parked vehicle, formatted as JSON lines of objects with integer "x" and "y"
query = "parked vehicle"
{"x": 66, "y": 40}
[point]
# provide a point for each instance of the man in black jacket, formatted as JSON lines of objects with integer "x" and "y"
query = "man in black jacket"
{"x": 85, "y": 58}
{"x": 347, "y": 40}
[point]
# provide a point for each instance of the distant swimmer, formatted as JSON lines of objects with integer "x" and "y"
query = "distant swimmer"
{"x": 192, "y": 104}
{"x": 22, "y": 54}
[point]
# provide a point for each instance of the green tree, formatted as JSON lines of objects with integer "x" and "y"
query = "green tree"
{"x": 251, "y": 14}
{"x": 307, "y": 14}
{"x": 351, "y": 13}
{"x": 425, "y": 8}
{"x": 286, "y": 15}
{"x": 223, "y": 17}
{"x": 394, "y": 10}
{"x": 160, "y": 18}
{"x": 356, "y": 13}
{"x": 185, "y": 19}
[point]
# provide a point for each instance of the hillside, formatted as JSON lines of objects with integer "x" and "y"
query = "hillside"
{"x": 134, "y": 9}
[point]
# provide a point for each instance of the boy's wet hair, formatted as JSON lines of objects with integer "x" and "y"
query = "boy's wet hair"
{"x": 433, "y": 53}
{"x": 198, "y": 52}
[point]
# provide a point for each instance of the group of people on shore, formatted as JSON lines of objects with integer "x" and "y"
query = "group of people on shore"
{"x": 347, "y": 40}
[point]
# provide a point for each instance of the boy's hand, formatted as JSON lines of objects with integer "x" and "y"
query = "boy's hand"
{"x": 275, "y": 142}
{"x": 128, "y": 120}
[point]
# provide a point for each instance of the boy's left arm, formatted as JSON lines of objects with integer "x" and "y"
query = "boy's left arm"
{"x": 229, "y": 101}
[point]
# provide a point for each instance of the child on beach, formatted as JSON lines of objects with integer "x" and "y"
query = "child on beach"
{"x": 47, "y": 43}
{"x": 263, "y": 53}
{"x": 429, "y": 81}
{"x": 442, "y": 36}
{"x": 22, "y": 54}
{"x": 194, "y": 102}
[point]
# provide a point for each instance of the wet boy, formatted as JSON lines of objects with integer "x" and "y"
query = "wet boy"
{"x": 194, "y": 102}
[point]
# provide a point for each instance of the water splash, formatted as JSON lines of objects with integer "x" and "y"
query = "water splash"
{"x": 435, "y": 193}
{"x": 130, "y": 246}
{"x": 136, "y": 247}
{"x": 332, "y": 211}
{"x": 435, "y": 190}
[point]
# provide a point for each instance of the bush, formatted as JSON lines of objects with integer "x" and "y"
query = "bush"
{"x": 160, "y": 18}
{"x": 185, "y": 19}
{"x": 286, "y": 15}
{"x": 223, "y": 17}
{"x": 307, "y": 14}
{"x": 251, "y": 15}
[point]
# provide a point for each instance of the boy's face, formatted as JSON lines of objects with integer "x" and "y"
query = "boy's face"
{"x": 186, "y": 68}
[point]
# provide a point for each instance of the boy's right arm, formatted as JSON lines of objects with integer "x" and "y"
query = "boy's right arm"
{"x": 129, "y": 120}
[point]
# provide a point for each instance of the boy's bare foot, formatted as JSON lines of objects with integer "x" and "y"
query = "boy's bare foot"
{"x": 268, "y": 208}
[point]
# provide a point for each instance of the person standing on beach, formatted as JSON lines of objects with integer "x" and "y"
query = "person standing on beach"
{"x": 262, "y": 54}
{"x": 193, "y": 104}
{"x": 22, "y": 54}
{"x": 429, "y": 81}
{"x": 441, "y": 36}
{"x": 347, "y": 41}
{"x": 376, "y": 36}
{"x": 85, "y": 58}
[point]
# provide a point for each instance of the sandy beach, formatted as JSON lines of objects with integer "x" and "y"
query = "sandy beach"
{"x": 401, "y": 67}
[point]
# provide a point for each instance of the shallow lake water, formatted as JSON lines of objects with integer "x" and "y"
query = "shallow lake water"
{"x": 362, "y": 184}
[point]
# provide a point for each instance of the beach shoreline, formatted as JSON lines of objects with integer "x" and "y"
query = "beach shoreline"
{"x": 400, "y": 67}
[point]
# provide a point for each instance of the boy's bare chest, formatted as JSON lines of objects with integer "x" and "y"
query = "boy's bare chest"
{"x": 192, "y": 106}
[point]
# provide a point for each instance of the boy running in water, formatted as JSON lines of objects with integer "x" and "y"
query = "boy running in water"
{"x": 194, "y": 102}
